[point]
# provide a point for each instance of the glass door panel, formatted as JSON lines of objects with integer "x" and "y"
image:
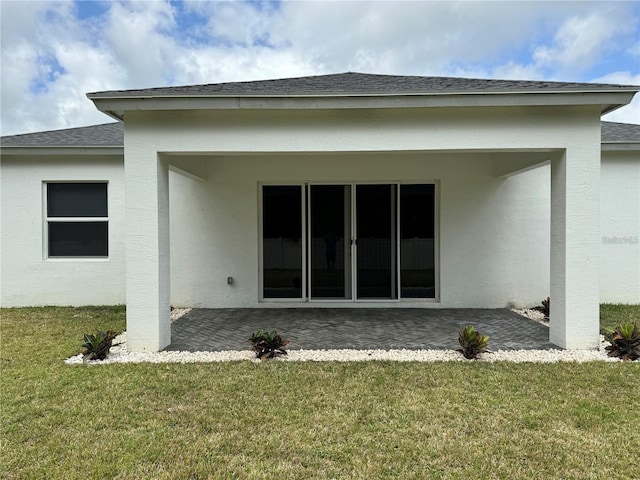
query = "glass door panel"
{"x": 417, "y": 235}
{"x": 393, "y": 227}
{"x": 376, "y": 247}
{"x": 330, "y": 241}
{"x": 282, "y": 241}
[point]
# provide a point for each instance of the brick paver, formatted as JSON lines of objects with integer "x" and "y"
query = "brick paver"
{"x": 205, "y": 329}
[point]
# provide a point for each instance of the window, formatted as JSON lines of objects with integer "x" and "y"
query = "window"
{"x": 77, "y": 223}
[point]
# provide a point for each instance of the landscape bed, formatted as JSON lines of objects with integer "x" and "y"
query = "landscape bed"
{"x": 305, "y": 420}
{"x": 120, "y": 354}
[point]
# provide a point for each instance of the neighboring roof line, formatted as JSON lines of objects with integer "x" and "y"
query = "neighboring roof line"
{"x": 108, "y": 135}
{"x": 616, "y": 133}
{"x": 89, "y": 150}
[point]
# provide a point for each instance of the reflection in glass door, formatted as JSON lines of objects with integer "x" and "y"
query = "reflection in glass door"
{"x": 282, "y": 241}
{"x": 330, "y": 246}
{"x": 376, "y": 247}
{"x": 361, "y": 242}
{"x": 417, "y": 241}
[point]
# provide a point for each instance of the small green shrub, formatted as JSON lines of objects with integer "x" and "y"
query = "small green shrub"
{"x": 546, "y": 305}
{"x": 268, "y": 344}
{"x": 96, "y": 347}
{"x": 625, "y": 341}
{"x": 472, "y": 342}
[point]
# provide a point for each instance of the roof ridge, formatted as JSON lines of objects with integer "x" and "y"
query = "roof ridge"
{"x": 356, "y": 83}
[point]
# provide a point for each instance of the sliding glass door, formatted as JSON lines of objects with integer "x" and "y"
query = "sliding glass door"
{"x": 330, "y": 241}
{"x": 417, "y": 241}
{"x": 376, "y": 253}
{"x": 349, "y": 242}
{"x": 282, "y": 252}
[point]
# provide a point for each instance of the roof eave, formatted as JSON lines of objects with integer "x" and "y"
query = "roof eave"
{"x": 620, "y": 146}
{"x": 22, "y": 150}
{"x": 119, "y": 150}
{"x": 127, "y": 94}
{"x": 115, "y": 106}
{"x": 114, "y": 115}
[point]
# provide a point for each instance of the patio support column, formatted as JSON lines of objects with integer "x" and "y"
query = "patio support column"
{"x": 147, "y": 250}
{"x": 575, "y": 247}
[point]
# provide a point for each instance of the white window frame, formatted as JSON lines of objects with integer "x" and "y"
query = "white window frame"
{"x": 47, "y": 220}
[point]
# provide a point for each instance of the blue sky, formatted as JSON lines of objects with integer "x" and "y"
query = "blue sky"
{"x": 53, "y": 52}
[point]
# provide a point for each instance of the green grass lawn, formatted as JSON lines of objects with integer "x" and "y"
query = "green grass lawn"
{"x": 613, "y": 315}
{"x": 373, "y": 420}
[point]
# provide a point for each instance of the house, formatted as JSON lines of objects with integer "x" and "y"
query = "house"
{"x": 620, "y": 213}
{"x": 347, "y": 190}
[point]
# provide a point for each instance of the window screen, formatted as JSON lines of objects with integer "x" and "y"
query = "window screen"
{"x": 77, "y": 220}
{"x": 77, "y": 200}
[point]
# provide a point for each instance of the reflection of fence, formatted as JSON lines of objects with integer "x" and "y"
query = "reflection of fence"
{"x": 319, "y": 254}
{"x": 416, "y": 253}
{"x": 281, "y": 253}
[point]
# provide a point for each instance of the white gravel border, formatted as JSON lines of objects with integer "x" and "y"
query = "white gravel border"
{"x": 530, "y": 313}
{"x": 177, "y": 313}
{"x": 120, "y": 354}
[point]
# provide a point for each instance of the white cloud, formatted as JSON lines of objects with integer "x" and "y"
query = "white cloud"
{"x": 136, "y": 35}
{"x": 36, "y": 88}
{"x": 579, "y": 42}
{"x": 392, "y": 37}
{"x": 634, "y": 49}
{"x": 211, "y": 65}
{"x": 630, "y": 113}
{"x": 51, "y": 58}
{"x": 237, "y": 23}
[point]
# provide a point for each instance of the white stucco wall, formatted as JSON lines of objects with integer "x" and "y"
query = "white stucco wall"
{"x": 620, "y": 227}
{"x": 488, "y": 226}
{"x": 619, "y": 223}
{"x": 214, "y": 223}
{"x": 27, "y": 278}
{"x": 492, "y": 229}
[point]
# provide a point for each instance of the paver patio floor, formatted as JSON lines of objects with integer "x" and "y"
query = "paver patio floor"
{"x": 204, "y": 329}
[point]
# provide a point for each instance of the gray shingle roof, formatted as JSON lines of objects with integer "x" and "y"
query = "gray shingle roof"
{"x": 106, "y": 135}
{"x": 352, "y": 83}
{"x": 620, "y": 132}
{"x": 111, "y": 135}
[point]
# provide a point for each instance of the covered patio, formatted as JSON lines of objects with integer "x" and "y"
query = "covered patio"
{"x": 212, "y": 329}
{"x": 351, "y": 163}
